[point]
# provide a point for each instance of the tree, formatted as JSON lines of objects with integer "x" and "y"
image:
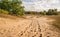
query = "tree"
{"x": 52, "y": 12}
{"x": 14, "y": 7}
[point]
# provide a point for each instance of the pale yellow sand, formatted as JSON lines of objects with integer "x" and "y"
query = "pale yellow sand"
{"x": 32, "y": 26}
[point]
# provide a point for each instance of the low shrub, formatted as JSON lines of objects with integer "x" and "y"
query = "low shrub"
{"x": 4, "y": 11}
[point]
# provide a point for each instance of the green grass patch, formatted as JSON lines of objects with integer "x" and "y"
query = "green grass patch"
{"x": 4, "y": 11}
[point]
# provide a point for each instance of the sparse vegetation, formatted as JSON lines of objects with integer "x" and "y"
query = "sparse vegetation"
{"x": 56, "y": 23}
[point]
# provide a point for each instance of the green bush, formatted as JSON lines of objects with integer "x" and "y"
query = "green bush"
{"x": 19, "y": 13}
{"x": 43, "y": 12}
{"x": 13, "y": 7}
{"x": 4, "y": 11}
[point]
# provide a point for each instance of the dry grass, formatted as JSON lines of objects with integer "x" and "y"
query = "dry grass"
{"x": 56, "y": 23}
{"x": 11, "y": 16}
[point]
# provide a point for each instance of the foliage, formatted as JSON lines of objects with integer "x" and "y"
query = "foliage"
{"x": 31, "y": 12}
{"x": 4, "y": 11}
{"x": 14, "y": 7}
{"x": 44, "y": 13}
{"x": 52, "y": 12}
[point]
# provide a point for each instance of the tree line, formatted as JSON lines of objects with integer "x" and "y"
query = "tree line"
{"x": 49, "y": 12}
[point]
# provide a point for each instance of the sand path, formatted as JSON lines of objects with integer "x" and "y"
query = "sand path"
{"x": 33, "y": 26}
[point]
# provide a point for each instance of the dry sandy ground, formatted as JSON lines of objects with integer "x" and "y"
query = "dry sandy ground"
{"x": 32, "y": 26}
